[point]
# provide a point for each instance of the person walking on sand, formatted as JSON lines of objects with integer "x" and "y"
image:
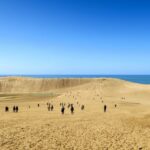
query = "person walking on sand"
{"x": 62, "y": 110}
{"x": 72, "y": 109}
{"x": 49, "y": 107}
{"x": 6, "y": 109}
{"x": 105, "y": 108}
{"x": 17, "y": 108}
{"x": 14, "y": 109}
{"x": 82, "y": 107}
{"x": 52, "y": 107}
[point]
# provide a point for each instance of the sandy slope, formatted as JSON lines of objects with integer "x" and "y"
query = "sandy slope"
{"x": 126, "y": 127}
{"x": 21, "y": 85}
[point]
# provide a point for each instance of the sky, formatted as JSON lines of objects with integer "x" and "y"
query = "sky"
{"x": 74, "y": 37}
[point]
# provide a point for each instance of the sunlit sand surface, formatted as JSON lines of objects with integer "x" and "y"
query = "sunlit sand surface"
{"x": 125, "y": 127}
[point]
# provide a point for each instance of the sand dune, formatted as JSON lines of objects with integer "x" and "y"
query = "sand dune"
{"x": 20, "y": 85}
{"x": 126, "y": 127}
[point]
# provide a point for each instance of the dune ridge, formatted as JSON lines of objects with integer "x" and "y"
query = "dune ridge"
{"x": 21, "y": 85}
{"x": 29, "y": 85}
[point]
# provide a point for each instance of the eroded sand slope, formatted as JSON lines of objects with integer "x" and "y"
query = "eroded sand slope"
{"x": 21, "y": 85}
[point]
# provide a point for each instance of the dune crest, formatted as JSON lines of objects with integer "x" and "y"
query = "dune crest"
{"x": 29, "y": 85}
{"x": 22, "y": 85}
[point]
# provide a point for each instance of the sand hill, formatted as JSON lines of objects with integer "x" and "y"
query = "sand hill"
{"x": 29, "y": 85}
{"x": 21, "y": 85}
{"x": 124, "y": 127}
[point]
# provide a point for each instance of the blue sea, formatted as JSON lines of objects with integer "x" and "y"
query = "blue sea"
{"x": 144, "y": 79}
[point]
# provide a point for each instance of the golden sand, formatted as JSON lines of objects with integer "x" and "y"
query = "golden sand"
{"x": 125, "y": 127}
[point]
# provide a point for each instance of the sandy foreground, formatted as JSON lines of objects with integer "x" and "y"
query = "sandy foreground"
{"x": 125, "y": 127}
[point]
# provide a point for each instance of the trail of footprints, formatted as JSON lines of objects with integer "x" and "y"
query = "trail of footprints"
{"x": 97, "y": 131}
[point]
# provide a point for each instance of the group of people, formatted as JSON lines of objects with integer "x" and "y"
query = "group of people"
{"x": 15, "y": 109}
{"x": 50, "y": 107}
{"x": 62, "y": 105}
{"x": 70, "y": 106}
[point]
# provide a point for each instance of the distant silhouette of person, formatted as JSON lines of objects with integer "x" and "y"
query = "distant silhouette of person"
{"x": 17, "y": 108}
{"x": 38, "y": 105}
{"x": 72, "y": 109}
{"x": 52, "y": 108}
{"x": 68, "y": 105}
{"x": 14, "y": 109}
{"x": 62, "y": 109}
{"x": 105, "y": 108}
{"x": 115, "y": 105}
{"x": 82, "y": 107}
{"x": 6, "y": 109}
{"x": 49, "y": 108}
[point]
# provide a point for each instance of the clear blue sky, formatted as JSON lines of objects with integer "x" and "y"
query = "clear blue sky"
{"x": 74, "y": 37}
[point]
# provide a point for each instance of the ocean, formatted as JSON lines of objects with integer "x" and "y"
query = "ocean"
{"x": 144, "y": 79}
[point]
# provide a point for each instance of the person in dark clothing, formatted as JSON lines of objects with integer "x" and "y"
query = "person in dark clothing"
{"x": 105, "y": 108}
{"x": 62, "y": 109}
{"x": 82, "y": 107}
{"x": 72, "y": 109}
{"x": 6, "y": 109}
{"x": 17, "y": 108}
{"x": 49, "y": 108}
{"x": 14, "y": 109}
{"x": 52, "y": 107}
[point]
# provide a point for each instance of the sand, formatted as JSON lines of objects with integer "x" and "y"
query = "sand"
{"x": 125, "y": 127}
